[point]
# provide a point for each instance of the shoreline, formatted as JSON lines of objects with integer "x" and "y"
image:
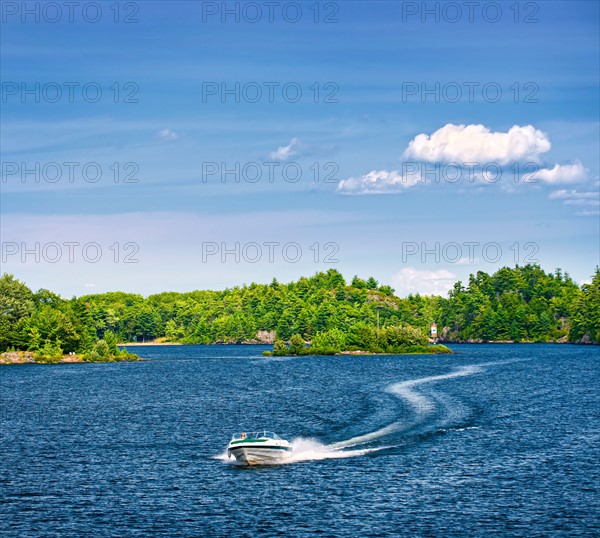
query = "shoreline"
{"x": 27, "y": 357}
{"x": 134, "y": 344}
{"x": 444, "y": 342}
{"x": 525, "y": 342}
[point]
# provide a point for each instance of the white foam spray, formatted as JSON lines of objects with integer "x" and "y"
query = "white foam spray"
{"x": 310, "y": 450}
{"x": 305, "y": 449}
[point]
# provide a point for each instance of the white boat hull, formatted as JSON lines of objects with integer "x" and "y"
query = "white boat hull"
{"x": 256, "y": 455}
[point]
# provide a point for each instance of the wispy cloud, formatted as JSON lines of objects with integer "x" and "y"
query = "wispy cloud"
{"x": 589, "y": 200}
{"x": 283, "y": 153}
{"x": 591, "y": 197}
{"x": 167, "y": 134}
{"x": 379, "y": 182}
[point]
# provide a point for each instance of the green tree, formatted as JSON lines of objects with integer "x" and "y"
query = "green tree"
{"x": 372, "y": 283}
{"x": 34, "y": 339}
{"x": 362, "y": 337}
{"x": 397, "y": 339}
{"x": 358, "y": 283}
{"x": 297, "y": 346}
{"x": 50, "y": 352}
{"x": 100, "y": 353}
{"x": 279, "y": 348}
{"x": 111, "y": 344}
{"x": 16, "y": 303}
{"x": 329, "y": 342}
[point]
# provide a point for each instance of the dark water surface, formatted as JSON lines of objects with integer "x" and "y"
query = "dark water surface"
{"x": 384, "y": 446}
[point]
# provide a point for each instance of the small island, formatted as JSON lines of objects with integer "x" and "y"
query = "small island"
{"x": 362, "y": 339}
{"x": 104, "y": 350}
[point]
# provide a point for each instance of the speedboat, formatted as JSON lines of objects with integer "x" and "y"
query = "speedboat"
{"x": 255, "y": 448}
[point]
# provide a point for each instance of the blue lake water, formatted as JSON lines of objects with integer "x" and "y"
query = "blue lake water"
{"x": 495, "y": 439}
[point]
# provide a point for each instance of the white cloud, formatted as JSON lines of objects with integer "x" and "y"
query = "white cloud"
{"x": 378, "y": 182}
{"x": 476, "y": 143}
{"x": 579, "y": 198}
{"x": 167, "y": 134}
{"x": 283, "y": 153}
{"x": 411, "y": 280}
{"x": 590, "y": 200}
{"x": 560, "y": 173}
{"x": 470, "y": 155}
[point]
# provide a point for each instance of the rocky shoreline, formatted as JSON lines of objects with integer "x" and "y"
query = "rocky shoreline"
{"x": 28, "y": 357}
{"x": 562, "y": 340}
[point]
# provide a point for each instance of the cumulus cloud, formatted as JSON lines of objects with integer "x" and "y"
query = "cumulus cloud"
{"x": 560, "y": 173}
{"x": 470, "y": 154}
{"x": 410, "y": 280}
{"x": 477, "y": 143}
{"x": 378, "y": 182}
{"x": 283, "y": 153}
{"x": 167, "y": 134}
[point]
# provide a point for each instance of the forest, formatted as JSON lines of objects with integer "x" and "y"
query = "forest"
{"x": 520, "y": 304}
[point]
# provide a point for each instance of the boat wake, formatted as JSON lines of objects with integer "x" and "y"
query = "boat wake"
{"x": 305, "y": 449}
{"x": 421, "y": 407}
{"x": 313, "y": 450}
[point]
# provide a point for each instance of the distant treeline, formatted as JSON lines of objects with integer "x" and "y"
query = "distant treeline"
{"x": 519, "y": 304}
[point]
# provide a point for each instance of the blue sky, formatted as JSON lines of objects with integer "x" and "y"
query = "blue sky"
{"x": 388, "y": 92}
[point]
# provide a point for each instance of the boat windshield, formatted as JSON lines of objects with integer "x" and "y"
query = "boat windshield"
{"x": 254, "y": 435}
